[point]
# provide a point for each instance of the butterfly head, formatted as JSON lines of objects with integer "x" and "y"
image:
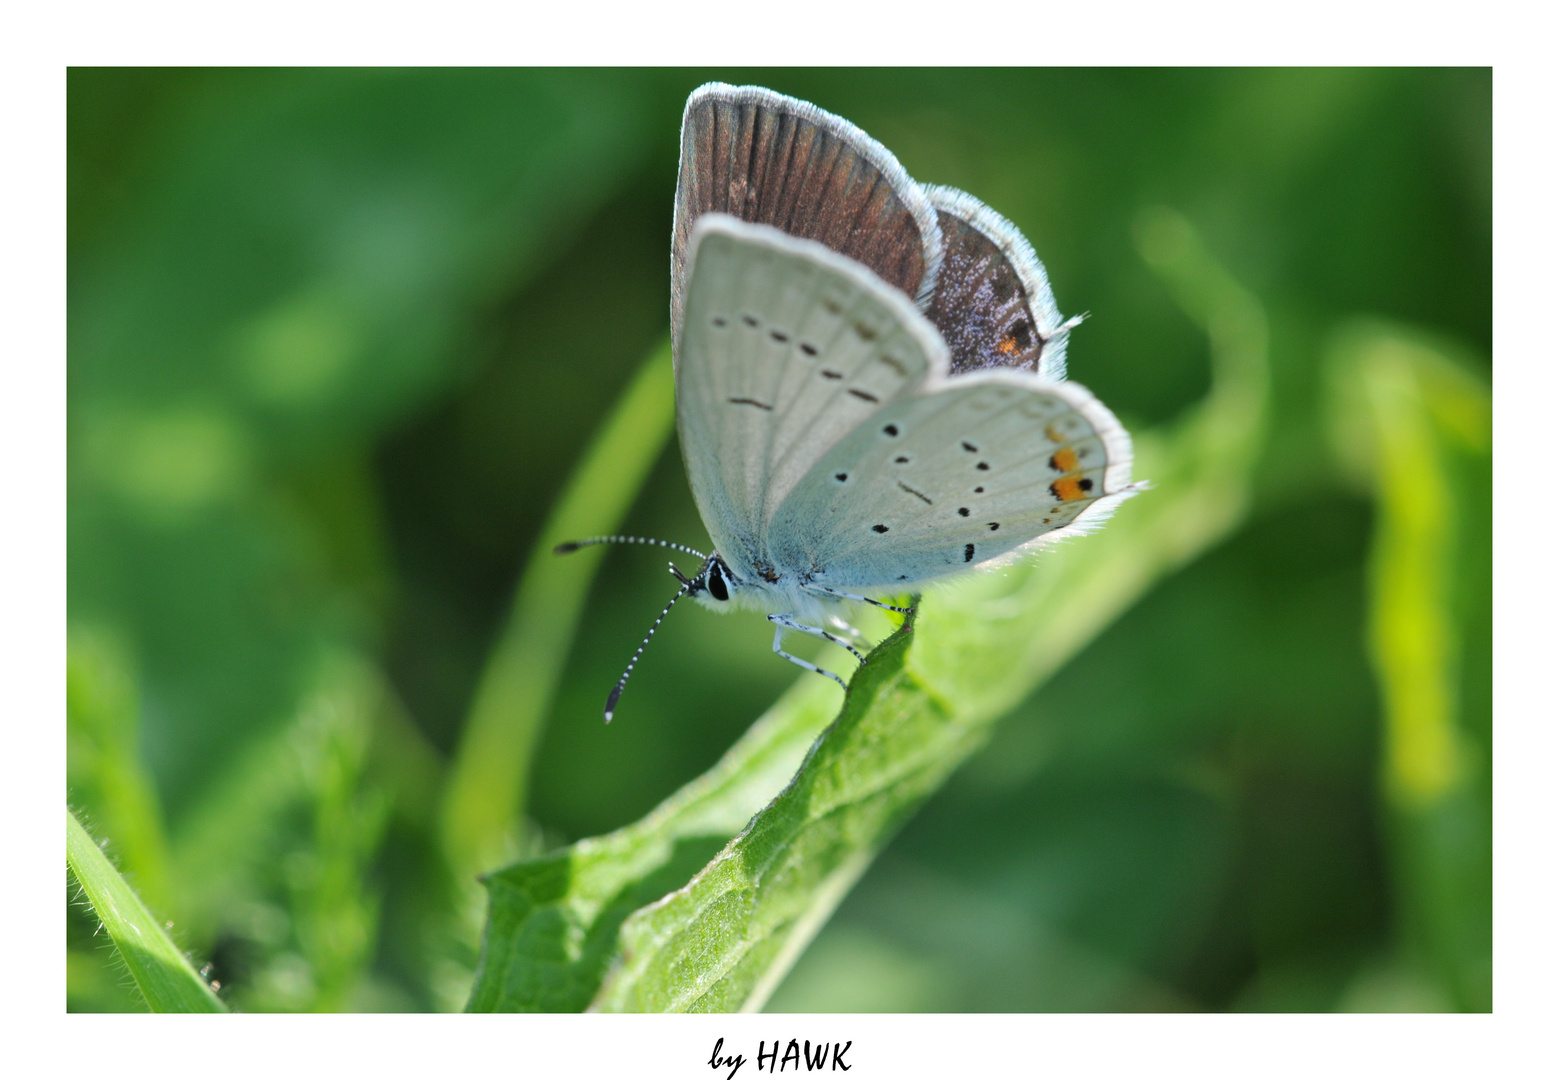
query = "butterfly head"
{"x": 714, "y": 584}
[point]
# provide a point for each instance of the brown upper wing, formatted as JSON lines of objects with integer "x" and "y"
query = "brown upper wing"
{"x": 766, "y": 158}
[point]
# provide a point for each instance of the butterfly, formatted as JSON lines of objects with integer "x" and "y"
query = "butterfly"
{"x": 870, "y": 376}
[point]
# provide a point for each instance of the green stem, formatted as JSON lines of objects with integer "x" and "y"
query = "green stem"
{"x": 160, "y": 970}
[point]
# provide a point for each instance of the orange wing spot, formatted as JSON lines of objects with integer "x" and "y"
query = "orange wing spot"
{"x": 1007, "y": 345}
{"x": 1053, "y": 435}
{"x": 1064, "y": 460}
{"x": 1069, "y": 489}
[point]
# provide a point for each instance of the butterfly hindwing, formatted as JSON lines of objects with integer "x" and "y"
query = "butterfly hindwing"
{"x": 992, "y": 303}
{"x": 962, "y": 472}
{"x": 786, "y": 348}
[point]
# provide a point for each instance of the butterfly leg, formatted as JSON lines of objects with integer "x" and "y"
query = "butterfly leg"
{"x": 791, "y": 624}
{"x": 862, "y": 599}
{"x": 784, "y": 622}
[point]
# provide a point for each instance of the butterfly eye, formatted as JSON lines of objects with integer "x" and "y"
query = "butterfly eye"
{"x": 716, "y": 583}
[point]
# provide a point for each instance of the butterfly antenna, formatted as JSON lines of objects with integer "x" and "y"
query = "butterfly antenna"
{"x": 575, "y": 545}
{"x": 617, "y": 691}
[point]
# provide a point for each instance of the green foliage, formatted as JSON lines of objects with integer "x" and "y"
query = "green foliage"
{"x": 162, "y": 974}
{"x": 722, "y": 943}
{"x": 1416, "y": 426}
{"x": 343, "y": 353}
{"x": 553, "y": 921}
{"x": 486, "y": 785}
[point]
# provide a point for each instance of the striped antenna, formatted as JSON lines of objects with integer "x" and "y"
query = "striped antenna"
{"x": 575, "y": 545}
{"x": 688, "y": 585}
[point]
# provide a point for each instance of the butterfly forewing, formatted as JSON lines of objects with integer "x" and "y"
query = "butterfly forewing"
{"x": 770, "y": 159}
{"x": 786, "y": 349}
{"x": 963, "y": 472}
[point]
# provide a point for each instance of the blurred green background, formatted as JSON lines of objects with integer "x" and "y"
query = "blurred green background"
{"x": 336, "y": 340}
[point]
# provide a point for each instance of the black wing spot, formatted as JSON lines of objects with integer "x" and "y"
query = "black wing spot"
{"x": 831, "y": 374}
{"x": 1086, "y": 484}
{"x": 903, "y": 577}
{"x": 879, "y": 528}
{"x": 718, "y": 320}
{"x": 750, "y": 320}
{"x": 891, "y": 430}
{"x": 864, "y": 396}
{"x": 779, "y": 336}
{"x": 841, "y": 477}
{"x": 968, "y": 553}
{"x": 969, "y": 446}
{"x": 901, "y": 460}
{"x": 963, "y": 511}
{"x": 1021, "y": 334}
{"x": 979, "y": 491}
{"x": 984, "y": 466}
{"x": 995, "y": 525}
{"x": 809, "y": 348}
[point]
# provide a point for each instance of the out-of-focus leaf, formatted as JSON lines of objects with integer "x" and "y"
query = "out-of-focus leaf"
{"x": 487, "y": 783}
{"x": 300, "y": 815}
{"x": 1417, "y": 425}
{"x": 160, "y": 970}
{"x": 306, "y": 257}
{"x": 227, "y": 837}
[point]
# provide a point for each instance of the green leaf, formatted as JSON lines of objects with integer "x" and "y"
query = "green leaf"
{"x": 923, "y": 702}
{"x": 486, "y": 792}
{"x": 160, "y": 970}
{"x": 728, "y": 938}
{"x": 552, "y": 922}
